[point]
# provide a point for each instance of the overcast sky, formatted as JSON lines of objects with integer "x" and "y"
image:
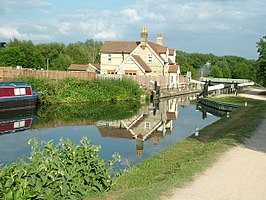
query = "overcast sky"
{"x": 221, "y": 27}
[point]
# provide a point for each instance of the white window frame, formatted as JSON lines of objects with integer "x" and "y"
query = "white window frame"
{"x": 109, "y": 57}
{"x": 150, "y": 58}
{"x": 147, "y": 125}
{"x": 19, "y": 91}
{"x": 19, "y": 124}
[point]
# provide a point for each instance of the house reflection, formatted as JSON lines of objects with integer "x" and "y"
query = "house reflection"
{"x": 152, "y": 122}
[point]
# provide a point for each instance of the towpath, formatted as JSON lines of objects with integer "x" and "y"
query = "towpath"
{"x": 240, "y": 174}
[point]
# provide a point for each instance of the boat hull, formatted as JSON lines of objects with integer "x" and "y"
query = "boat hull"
{"x": 19, "y": 102}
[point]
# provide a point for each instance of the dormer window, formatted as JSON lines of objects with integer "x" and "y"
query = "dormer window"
{"x": 109, "y": 57}
{"x": 149, "y": 58}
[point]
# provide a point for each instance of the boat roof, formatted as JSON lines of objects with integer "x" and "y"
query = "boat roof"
{"x": 13, "y": 83}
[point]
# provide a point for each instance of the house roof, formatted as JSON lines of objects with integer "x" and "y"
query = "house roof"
{"x": 171, "y": 51}
{"x": 128, "y": 47}
{"x": 157, "y": 47}
{"x": 96, "y": 67}
{"x": 78, "y": 67}
{"x": 173, "y": 68}
{"x": 118, "y": 46}
{"x": 142, "y": 63}
{"x": 115, "y": 133}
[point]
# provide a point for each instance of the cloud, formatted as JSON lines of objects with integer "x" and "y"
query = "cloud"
{"x": 107, "y": 35}
{"x": 64, "y": 28}
{"x": 28, "y": 4}
{"x": 130, "y": 15}
{"x": 9, "y": 33}
{"x": 183, "y": 20}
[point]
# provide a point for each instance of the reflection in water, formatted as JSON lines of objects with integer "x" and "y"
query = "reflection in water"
{"x": 151, "y": 122}
{"x": 16, "y": 120}
{"x": 135, "y": 135}
{"x": 206, "y": 109}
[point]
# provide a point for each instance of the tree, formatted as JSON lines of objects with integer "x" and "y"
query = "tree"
{"x": 50, "y": 52}
{"x": 77, "y": 53}
{"x": 261, "y": 61}
{"x": 216, "y": 72}
{"x": 62, "y": 62}
{"x": 93, "y": 49}
{"x": 22, "y": 53}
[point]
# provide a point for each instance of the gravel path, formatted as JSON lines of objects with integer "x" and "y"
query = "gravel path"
{"x": 240, "y": 174}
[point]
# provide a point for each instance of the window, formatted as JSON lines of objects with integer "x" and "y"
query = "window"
{"x": 147, "y": 125}
{"x": 130, "y": 72}
{"x": 109, "y": 57}
{"x": 111, "y": 72}
{"x": 19, "y": 124}
{"x": 20, "y": 91}
{"x": 149, "y": 57}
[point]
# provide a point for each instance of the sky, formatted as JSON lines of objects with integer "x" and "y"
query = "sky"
{"x": 220, "y": 27}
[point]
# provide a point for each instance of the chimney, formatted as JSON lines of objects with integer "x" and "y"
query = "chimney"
{"x": 159, "y": 39}
{"x": 144, "y": 36}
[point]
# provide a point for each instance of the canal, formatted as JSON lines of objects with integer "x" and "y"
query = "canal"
{"x": 135, "y": 132}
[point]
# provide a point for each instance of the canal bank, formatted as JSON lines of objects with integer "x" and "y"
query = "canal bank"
{"x": 180, "y": 163}
{"x": 239, "y": 174}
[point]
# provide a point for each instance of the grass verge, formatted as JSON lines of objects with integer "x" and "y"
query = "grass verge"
{"x": 178, "y": 164}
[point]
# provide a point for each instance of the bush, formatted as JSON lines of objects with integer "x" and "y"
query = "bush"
{"x": 77, "y": 90}
{"x": 63, "y": 171}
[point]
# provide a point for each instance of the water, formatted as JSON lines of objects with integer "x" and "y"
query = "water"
{"x": 155, "y": 126}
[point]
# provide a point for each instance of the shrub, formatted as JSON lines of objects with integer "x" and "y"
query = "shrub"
{"x": 63, "y": 171}
{"x": 77, "y": 90}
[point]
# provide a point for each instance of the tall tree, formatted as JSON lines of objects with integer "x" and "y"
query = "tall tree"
{"x": 261, "y": 62}
{"x": 22, "y": 53}
{"x": 216, "y": 72}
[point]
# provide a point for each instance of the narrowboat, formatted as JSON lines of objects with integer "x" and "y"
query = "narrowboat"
{"x": 17, "y": 95}
{"x": 12, "y": 121}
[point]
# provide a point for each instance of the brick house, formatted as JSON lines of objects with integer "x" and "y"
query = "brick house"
{"x": 140, "y": 58}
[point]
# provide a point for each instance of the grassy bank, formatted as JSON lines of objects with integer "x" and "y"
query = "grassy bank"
{"x": 179, "y": 163}
{"x": 77, "y": 90}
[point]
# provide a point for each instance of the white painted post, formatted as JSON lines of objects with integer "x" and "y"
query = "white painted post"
{"x": 197, "y": 132}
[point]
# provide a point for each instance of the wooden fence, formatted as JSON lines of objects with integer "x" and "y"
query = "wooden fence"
{"x": 7, "y": 73}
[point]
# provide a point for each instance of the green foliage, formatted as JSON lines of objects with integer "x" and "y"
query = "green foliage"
{"x": 220, "y": 66}
{"x": 261, "y": 62}
{"x": 76, "y": 90}
{"x": 216, "y": 72}
{"x": 63, "y": 171}
{"x": 55, "y": 55}
{"x": 22, "y": 53}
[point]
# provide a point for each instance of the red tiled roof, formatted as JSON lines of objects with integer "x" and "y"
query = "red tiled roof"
{"x": 171, "y": 51}
{"x": 157, "y": 47}
{"x": 78, "y": 67}
{"x": 173, "y": 68}
{"x": 118, "y": 46}
{"x": 128, "y": 47}
{"x": 142, "y": 63}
